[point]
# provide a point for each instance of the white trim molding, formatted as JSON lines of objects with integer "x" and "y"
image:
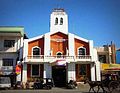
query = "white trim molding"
{"x": 82, "y": 48}
{"x": 38, "y": 48}
{"x": 59, "y": 52}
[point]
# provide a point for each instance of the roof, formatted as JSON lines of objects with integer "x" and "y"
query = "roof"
{"x": 58, "y": 10}
{"x": 51, "y": 33}
{"x": 12, "y": 29}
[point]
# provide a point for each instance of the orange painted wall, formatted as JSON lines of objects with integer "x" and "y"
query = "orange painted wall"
{"x": 79, "y": 43}
{"x": 39, "y": 43}
{"x": 59, "y": 46}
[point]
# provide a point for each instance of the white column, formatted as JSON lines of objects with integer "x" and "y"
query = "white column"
{"x": 24, "y": 76}
{"x": 47, "y": 70}
{"x": 47, "y": 45}
{"x": 98, "y": 71}
{"x": 97, "y": 65}
{"x": 91, "y": 49}
{"x": 21, "y": 48}
{"x": 71, "y": 44}
{"x": 25, "y": 50}
{"x": 16, "y": 44}
{"x": 71, "y": 71}
{"x": 92, "y": 71}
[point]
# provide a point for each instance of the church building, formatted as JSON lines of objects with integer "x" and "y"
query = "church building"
{"x": 59, "y": 54}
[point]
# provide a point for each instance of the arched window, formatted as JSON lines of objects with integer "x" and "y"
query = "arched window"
{"x": 81, "y": 51}
{"x": 36, "y": 51}
{"x": 56, "y": 21}
{"x": 59, "y": 54}
{"x": 61, "y": 21}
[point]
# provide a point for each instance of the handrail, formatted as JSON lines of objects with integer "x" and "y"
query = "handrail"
{"x": 61, "y": 56}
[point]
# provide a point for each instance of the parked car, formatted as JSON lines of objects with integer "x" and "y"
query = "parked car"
{"x": 5, "y": 82}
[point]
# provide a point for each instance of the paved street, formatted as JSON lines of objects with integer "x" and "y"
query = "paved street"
{"x": 54, "y": 90}
{"x": 82, "y": 88}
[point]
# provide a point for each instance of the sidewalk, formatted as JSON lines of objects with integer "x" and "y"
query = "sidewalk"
{"x": 83, "y": 87}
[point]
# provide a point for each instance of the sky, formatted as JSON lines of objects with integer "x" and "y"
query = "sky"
{"x": 97, "y": 20}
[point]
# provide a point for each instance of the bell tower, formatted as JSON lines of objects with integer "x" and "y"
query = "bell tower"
{"x": 59, "y": 21}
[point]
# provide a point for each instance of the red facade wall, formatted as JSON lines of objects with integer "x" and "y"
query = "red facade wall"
{"x": 39, "y": 43}
{"x": 79, "y": 43}
{"x": 59, "y": 46}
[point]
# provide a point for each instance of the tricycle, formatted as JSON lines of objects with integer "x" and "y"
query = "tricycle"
{"x": 45, "y": 83}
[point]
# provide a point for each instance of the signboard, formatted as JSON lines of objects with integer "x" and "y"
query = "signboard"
{"x": 110, "y": 67}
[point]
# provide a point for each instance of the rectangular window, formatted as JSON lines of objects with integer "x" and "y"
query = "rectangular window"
{"x": 9, "y": 43}
{"x": 82, "y": 69}
{"x": 35, "y": 70}
{"x": 102, "y": 58}
{"x": 7, "y": 62}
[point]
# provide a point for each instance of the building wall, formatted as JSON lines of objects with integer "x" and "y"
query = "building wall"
{"x": 9, "y": 52}
{"x": 79, "y": 43}
{"x": 10, "y": 49}
{"x": 39, "y": 43}
{"x": 109, "y": 51}
{"x": 118, "y": 57}
{"x": 57, "y": 27}
{"x": 8, "y": 55}
{"x": 59, "y": 46}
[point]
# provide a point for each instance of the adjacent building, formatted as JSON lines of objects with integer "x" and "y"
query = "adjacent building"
{"x": 107, "y": 57}
{"x": 11, "y": 49}
{"x": 107, "y": 53}
{"x": 118, "y": 56}
{"x": 59, "y": 54}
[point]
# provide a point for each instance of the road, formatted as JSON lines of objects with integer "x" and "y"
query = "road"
{"x": 80, "y": 89}
{"x": 54, "y": 90}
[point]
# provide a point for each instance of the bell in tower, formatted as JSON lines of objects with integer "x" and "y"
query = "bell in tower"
{"x": 59, "y": 21}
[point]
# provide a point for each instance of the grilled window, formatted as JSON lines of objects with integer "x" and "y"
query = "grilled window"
{"x": 102, "y": 58}
{"x": 35, "y": 70}
{"x": 7, "y": 62}
{"x": 36, "y": 51}
{"x": 9, "y": 43}
{"x": 81, "y": 51}
{"x": 82, "y": 69}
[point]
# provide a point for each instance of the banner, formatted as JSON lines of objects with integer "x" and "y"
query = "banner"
{"x": 59, "y": 62}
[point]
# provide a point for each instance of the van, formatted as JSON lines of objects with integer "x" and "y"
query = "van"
{"x": 5, "y": 82}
